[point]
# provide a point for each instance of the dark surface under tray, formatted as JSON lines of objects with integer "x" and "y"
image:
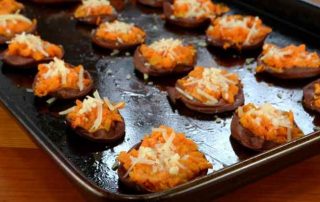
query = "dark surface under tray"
{"x": 90, "y": 165}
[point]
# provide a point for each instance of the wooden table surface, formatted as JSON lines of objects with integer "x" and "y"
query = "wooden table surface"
{"x": 28, "y": 174}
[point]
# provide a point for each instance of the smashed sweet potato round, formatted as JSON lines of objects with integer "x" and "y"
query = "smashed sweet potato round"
{"x": 62, "y": 81}
{"x": 263, "y": 127}
{"x": 237, "y": 32}
{"x": 118, "y": 35}
{"x": 192, "y": 13}
{"x": 290, "y": 62}
{"x": 208, "y": 90}
{"x": 165, "y": 57}
{"x": 27, "y": 51}
{"x": 96, "y": 119}
{"x": 163, "y": 160}
{"x": 95, "y": 12}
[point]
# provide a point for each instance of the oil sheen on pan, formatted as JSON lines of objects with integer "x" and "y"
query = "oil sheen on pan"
{"x": 147, "y": 104}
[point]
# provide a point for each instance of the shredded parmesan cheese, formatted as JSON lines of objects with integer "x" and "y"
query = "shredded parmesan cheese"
{"x": 90, "y": 103}
{"x": 166, "y": 46}
{"x": 274, "y": 51}
{"x": 81, "y": 77}
{"x": 93, "y": 3}
{"x": 163, "y": 157}
{"x": 33, "y": 42}
{"x": 57, "y": 68}
{"x": 118, "y": 27}
{"x": 195, "y": 8}
{"x": 4, "y": 19}
{"x": 277, "y": 118}
{"x": 212, "y": 79}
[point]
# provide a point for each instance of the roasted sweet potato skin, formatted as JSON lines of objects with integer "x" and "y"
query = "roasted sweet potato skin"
{"x": 220, "y": 107}
{"x": 308, "y": 96}
{"x": 140, "y": 64}
{"x": 151, "y": 3}
{"x": 134, "y": 186}
{"x": 70, "y": 93}
{"x": 110, "y": 44}
{"x": 290, "y": 73}
{"x": 115, "y": 134}
{"x": 182, "y": 22}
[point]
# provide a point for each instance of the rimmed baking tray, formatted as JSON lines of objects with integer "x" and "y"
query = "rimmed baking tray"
{"x": 90, "y": 165}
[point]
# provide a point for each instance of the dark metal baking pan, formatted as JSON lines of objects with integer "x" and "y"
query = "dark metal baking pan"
{"x": 89, "y": 165}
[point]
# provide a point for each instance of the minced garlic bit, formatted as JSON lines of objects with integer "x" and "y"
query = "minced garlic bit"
{"x": 35, "y": 43}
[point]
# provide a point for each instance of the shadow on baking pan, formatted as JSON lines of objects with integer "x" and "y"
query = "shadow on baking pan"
{"x": 288, "y": 84}
{"x": 83, "y": 146}
{"x": 242, "y": 152}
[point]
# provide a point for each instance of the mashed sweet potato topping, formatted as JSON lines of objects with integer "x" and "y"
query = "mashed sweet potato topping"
{"x": 164, "y": 160}
{"x": 91, "y": 8}
{"x": 238, "y": 30}
{"x": 199, "y": 9}
{"x": 12, "y": 24}
{"x": 209, "y": 85}
{"x": 269, "y": 123}
{"x": 168, "y": 53}
{"x": 288, "y": 57}
{"x": 56, "y": 75}
{"x": 31, "y": 46}
{"x": 123, "y": 33}
{"x": 94, "y": 113}
{"x": 10, "y": 6}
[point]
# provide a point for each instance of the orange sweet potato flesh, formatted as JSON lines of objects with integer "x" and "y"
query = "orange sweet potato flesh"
{"x": 52, "y": 86}
{"x": 9, "y": 6}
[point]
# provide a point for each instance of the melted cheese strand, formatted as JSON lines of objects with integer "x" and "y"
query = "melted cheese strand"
{"x": 98, "y": 120}
{"x": 67, "y": 111}
{"x": 80, "y": 80}
{"x": 184, "y": 93}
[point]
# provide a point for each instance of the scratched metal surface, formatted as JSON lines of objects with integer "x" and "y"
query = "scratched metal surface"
{"x": 147, "y": 103}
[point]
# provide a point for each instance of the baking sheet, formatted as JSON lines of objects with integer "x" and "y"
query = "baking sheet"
{"x": 147, "y": 102}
